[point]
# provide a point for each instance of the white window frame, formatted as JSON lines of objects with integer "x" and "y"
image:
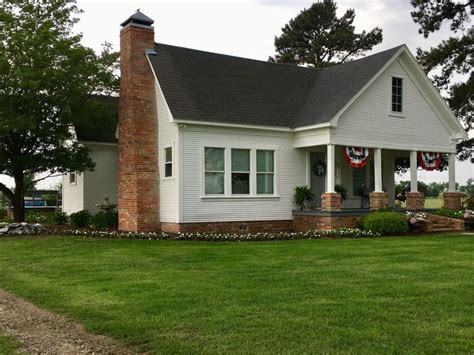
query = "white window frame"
{"x": 228, "y": 172}
{"x": 168, "y": 162}
{"x": 203, "y": 170}
{"x": 249, "y": 172}
{"x": 75, "y": 178}
{"x": 404, "y": 81}
{"x": 266, "y": 173}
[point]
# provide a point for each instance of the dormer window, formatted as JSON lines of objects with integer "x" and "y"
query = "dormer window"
{"x": 397, "y": 94}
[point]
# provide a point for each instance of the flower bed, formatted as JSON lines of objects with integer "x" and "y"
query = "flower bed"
{"x": 223, "y": 237}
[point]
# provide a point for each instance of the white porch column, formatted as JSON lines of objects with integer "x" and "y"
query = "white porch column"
{"x": 378, "y": 169}
{"x": 330, "y": 170}
{"x": 452, "y": 172}
{"x": 413, "y": 172}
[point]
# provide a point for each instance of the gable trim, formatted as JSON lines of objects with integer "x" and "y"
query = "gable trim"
{"x": 459, "y": 134}
{"x": 335, "y": 119}
{"x": 232, "y": 125}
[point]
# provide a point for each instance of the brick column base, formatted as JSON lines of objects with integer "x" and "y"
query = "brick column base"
{"x": 452, "y": 200}
{"x": 415, "y": 201}
{"x": 331, "y": 201}
{"x": 378, "y": 200}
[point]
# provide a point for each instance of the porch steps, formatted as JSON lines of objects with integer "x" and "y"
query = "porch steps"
{"x": 443, "y": 224}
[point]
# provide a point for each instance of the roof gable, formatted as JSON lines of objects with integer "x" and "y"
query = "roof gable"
{"x": 209, "y": 87}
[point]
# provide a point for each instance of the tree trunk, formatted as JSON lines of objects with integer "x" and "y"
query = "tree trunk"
{"x": 18, "y": 200}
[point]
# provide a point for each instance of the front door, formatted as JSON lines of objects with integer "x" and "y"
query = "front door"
{"x": 318, "y": 177}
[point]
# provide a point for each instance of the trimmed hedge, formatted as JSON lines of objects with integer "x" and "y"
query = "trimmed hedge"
{"x": 80, "y": 219}
{"x": 386, "y": 223}
{"x": 105, "y": 219}
{"x": 446, "y": 212}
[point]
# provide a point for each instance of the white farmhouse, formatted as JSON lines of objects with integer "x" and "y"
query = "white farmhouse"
{"x": 211, "y": 142}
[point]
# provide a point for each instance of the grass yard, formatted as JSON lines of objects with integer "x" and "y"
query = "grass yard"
{"x": 7, "y": 345}
{"x": 385, "y": 295}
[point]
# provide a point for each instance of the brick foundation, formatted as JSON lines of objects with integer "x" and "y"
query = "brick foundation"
{"x": 415, "y": 201}
{"x": 229, "y": 227}
{"x": 452, "y": 200}
{"x": 331, "y": 201}
{"x": 378, "y": 200}
{"x": 138, "y": 200}
{"x": 303, "y": 223}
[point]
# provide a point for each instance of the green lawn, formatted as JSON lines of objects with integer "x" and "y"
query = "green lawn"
{"x": 385, "y": 295}
{"x": 7, "y": 345}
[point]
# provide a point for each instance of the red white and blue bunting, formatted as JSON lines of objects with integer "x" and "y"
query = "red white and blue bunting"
{"x": 429, "y": 161}
{"x": 357, "y": 157}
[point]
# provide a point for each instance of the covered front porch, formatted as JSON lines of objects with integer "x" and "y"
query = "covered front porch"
{"x": 367, "y": 187}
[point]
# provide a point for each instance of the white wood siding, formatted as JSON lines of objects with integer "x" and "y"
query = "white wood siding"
{"x": 290, "y": 170}
{"x": 102, "y": 182}
{"x": 73, "y": 194}
{"x": 367, "y": 121}
{"x": 167, "y": 137}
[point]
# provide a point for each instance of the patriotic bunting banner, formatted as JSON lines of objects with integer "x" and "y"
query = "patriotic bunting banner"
{"x": 356, "y": 157}
{"x": 429, "y": 161}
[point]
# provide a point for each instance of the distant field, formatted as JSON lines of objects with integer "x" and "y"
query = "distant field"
{"x": 434, "y": 202}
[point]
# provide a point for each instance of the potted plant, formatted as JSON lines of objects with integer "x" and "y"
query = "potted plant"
{"x": 341, "y": 190}
{"x": 303, "y": 196}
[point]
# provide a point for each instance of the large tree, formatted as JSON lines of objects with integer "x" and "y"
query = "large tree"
{"x": 47, "y": 84}
{"x": 451, "y": 62}
{"x": 318, "y": 38}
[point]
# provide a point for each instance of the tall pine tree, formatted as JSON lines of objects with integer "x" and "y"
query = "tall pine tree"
{"x": 318, "y": 38}
{"x": 451, "y": 62}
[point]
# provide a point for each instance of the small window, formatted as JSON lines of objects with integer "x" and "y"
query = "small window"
{"x": 397, "y": 94}
{"x": 240, "y": 171}
{"x": 72, "y": 178}
{"x": 168, "y": 162}
{"x": 214, "y": 168}
{"x": 265, "y": 171}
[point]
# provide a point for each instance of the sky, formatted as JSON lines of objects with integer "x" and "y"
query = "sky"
{"x": 247, "y": 28}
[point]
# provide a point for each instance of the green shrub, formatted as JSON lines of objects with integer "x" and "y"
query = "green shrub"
{"x": 80, "y": 219}
{"x": 446, "y": 212}
{"x": 39, "y": 217}
{"x": 105, "y": 219}
{"x": 60, "y": 218}
{"x": 3, "y": 214}
{"x": 468, "y": 201}
{"x": 386, "y": 222}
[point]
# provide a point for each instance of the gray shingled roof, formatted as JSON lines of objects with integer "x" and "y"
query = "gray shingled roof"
{"x": 210, "y": 87}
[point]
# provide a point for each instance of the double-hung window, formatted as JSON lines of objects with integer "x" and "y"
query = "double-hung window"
{"x": 265, "y": 172}
{"x": 214, "y": 170}
{"x": 397, "y": 94}
{"x": 240, "y": 171}
{"x": 168, "y": 162}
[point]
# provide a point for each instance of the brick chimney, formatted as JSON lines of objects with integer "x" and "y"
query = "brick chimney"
{"x": 138, "y": 190}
